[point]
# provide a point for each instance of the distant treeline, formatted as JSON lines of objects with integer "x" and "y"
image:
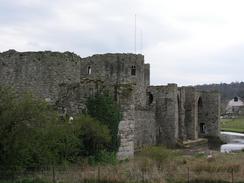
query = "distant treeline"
{"x": 227, "y": 91}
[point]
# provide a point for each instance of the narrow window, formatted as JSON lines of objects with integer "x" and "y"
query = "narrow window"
{"x": 89, "y": 70}
{"x": 202, "y": 128}
{"x": 133, "y": 70}
{"x": 150, "y": 98}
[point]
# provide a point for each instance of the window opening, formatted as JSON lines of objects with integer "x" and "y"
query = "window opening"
{"x": 89, "y": 70}
{"x": 133, "y": 70}
{"x": 202, "y": 128}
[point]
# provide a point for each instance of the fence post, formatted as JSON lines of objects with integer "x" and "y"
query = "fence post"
{"x": 54, "y": 179}
{"x": 13, "y": 172}
{"x": 98, "y": 174}
{"x": 232, "y": 175}
{"x": 188, "y": 174}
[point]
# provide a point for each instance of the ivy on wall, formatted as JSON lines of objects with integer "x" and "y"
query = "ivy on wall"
{"x": 107, "y": 111}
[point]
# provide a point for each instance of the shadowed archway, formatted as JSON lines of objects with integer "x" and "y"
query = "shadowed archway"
{"x": 200, "y": 118}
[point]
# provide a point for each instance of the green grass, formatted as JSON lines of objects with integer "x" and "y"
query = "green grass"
{"x": 233, "y": 125}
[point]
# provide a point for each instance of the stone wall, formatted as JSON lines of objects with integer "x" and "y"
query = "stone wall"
{"x": 145, "y": 128}
{"x": 116, "y": 69}
{"x": 166, "y": 113}
{"x": 127, "y": 124}
{"x": 39, "y": 72}
{"x": 191, "y": 97}
{"x": 181, "y": 99}
{"x": 63, "y": 79}
{"x": 151, "y": 114}
{"x": 146, "y": 74}
{"x": 210, "y": 113}
{"x": 72, "y": 97}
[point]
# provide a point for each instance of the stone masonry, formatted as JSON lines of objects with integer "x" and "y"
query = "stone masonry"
{"x": 152, "y": 115}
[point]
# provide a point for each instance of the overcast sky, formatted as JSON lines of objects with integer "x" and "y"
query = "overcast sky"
{"x": 186, "y": 41}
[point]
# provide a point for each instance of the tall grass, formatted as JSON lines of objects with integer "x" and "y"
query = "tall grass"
{"x": 154, "y": 165}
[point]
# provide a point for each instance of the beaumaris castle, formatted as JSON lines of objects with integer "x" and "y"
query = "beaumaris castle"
{"x": 152, "y": 115}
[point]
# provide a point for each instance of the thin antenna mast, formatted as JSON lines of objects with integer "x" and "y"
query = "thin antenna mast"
{"x": 135, "y": 36}
{"x": 141, "y": 36}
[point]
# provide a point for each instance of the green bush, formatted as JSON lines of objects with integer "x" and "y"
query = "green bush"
{"x": 32, "y": 135}
{"x": 68, "y": 144}
{"x": 93, "y": 135}
{"x": 104, "y": 109}
{"x": 105, "y": 157}
{"x": 26, "y": 130}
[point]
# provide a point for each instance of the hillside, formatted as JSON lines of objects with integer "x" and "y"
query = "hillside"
{"x": 228, "y": 91}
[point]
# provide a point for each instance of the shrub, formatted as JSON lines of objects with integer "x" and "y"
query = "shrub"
{"x": 105, "y": 157}
{"x": 26, "y": 123}
{"x": 93, "y": 135}
{"x": 68, "y": 144}
{"x": 104, "y": 109}
{"x": 31, "y": 134}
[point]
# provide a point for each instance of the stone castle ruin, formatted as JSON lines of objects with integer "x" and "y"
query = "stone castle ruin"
{"x": 152, "y": 115}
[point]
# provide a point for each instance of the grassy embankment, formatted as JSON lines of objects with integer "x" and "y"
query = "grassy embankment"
{"x": 233, "y": 125}
{"x": 155, "y": 165}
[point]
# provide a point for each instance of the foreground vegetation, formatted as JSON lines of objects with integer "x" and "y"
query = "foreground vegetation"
{"x": 37, "y": 146}
{"x": 152, "y": 165}
{"x": 233, "y": 125}
{"x": 33, "y": 135}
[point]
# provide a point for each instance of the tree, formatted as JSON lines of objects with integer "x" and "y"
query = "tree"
{"x": 104, "y": 109}
{"x": 28, "y": 129}
{"x": 32, "y": 134}
{"x": 93, "y": 135}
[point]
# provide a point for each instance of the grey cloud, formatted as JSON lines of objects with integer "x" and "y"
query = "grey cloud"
{"x": 12, "y": 13}
{"x": 214, "y": 19}
{"x": 101, "y": 26}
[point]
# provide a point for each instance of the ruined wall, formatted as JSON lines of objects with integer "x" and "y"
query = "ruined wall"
{"x": 127, "y": 124}
{"x": 72, "y": 97}
{"x": 151, "y": 114}
{"x": 166, "y": 113}
{"x": 116, "y": 69}
{"x": 211, "y": 112}
{"x": 39, "y": 72}
{"x": 191, "y": 116}
{"x": 181, "y": 99}
{"x": 145, "y": 128}
{"x": 129, "y": 90}
{"x": 146, "y": 74}
{"x": 63, "y": 80}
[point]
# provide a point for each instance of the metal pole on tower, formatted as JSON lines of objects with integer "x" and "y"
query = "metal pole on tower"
{"x": 135, "y": 36}
{"x": 141, "y": 36}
